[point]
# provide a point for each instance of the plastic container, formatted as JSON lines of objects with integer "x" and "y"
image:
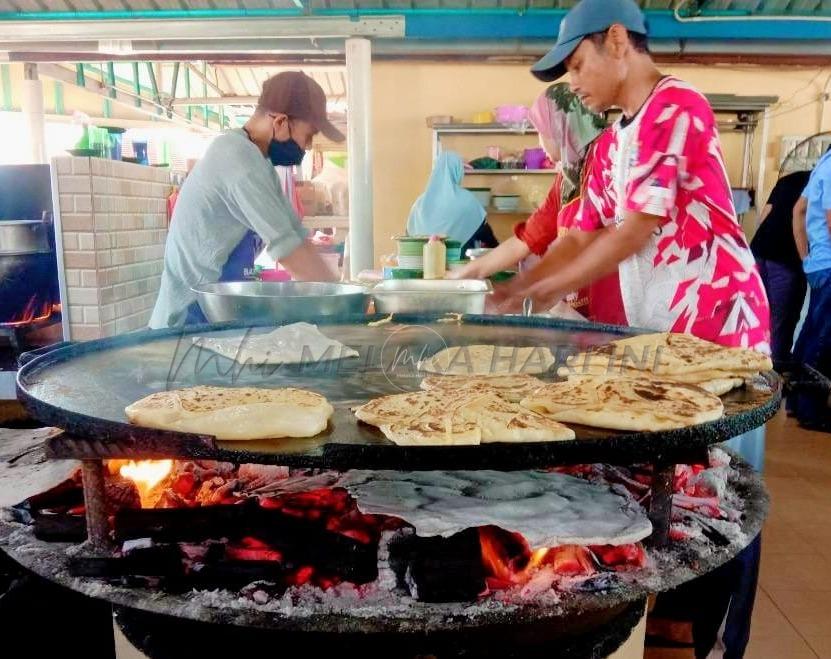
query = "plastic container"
{"x": 114, "y": 141}
{"x": 534, "y": 158}
{"x": 454, "y": 250}
{"x": 494, "y": 152}
{"x": 439, "y": 119}
{"x": 512, "y": 162}
{"x": 411, "y": 252}
{"x": 506, "y": 202}
{"x": 512, "y": 115}
{"x": 140, "y": 150}
{"x": 457, "y": 264}
{"x": 404, "y": 273}
{"x": 482, "y": 194}
{"x": 435, "y": 258}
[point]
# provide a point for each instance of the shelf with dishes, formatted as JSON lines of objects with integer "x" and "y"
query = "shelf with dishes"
{"x": 513, "y": 172}
{"x": 492, "y": 128}
{"x": 326, "y": 221}
{"x": 521, "y": 210}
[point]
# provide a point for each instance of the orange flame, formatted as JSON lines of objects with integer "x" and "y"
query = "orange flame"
{"x": 33, "y": 312}
{"x": 146, "y": 474}
{"x": 509, "y": 561}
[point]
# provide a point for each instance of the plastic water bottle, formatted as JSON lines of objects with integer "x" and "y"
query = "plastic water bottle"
{"x": 435, "y": 258}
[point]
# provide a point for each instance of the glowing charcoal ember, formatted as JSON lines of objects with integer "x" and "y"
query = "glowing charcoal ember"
{"x": 621, "y": 556}
{"x": 569, "y": 560}
{"x": 247, "y": 553}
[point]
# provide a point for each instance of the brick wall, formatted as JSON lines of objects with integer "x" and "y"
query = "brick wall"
{"x": 114, "y": 223}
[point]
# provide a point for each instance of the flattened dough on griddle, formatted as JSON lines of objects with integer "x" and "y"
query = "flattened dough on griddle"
{"x": 623, "y": 403}
{"x": 298, "y": 343}
{"x": 510, "y": 387}
{"x": 670, "y": 354}
{"x": 478, "y": 360}
{"x": 721, "y": 386}
{"x": 463, "y": 417}
{"x": 398, "y": 407}
{"x": 716, "y": 382}
{"x": 234, "y": 413}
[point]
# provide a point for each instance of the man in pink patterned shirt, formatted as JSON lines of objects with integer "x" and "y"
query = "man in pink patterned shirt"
{"x": 659, "y": 207}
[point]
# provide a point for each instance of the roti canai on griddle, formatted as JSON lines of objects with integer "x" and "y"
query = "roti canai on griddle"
{"x": 489, "y": 360}
{"x": 669, "y": 354}
{"x": 464, "y": 417}
{"x": 389, "y": 409}
{"x": 510, "y": 387}
{"x": 626, "y": 403}
{"x": 676, "y": 357}
{"x": 234, "y": 413}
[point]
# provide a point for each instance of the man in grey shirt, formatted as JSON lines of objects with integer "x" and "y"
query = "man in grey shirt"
{"x": 232, "y": 203}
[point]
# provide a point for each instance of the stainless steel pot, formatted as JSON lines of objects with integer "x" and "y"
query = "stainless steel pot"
{"x": 24, "y": 237}
{"x": 254, "y": 301}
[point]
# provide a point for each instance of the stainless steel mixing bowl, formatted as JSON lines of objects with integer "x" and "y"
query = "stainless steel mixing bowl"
{"x": 254, "y": 301}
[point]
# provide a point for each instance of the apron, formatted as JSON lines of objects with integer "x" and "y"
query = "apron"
{"x": 238, "y": 267}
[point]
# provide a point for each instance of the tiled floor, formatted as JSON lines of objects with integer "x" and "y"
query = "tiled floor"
{"x": 792, "y": 618}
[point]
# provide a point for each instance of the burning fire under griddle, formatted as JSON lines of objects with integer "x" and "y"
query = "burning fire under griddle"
{"x": 36, "y": 310}
{"x": 263, "y": 531}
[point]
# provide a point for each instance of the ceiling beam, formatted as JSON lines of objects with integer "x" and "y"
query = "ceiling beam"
{"x": 215, "y": 100}
{"x": 122, "y": 97}
{"x": 126, "y": 32}
{"x": 205, "y": 79}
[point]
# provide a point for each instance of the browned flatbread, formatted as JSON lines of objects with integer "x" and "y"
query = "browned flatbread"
{"x": 623, "y": 403}
{"x": 717, "y": 382}
{"x": 466, "y": 416}
{"x": 234, "y": 413}
{"x": 390, "y": 409}
{"x": 510, "y": 387}
{"x": 668, "y": 354}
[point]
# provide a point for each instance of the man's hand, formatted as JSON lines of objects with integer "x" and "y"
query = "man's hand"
{"x": 305, "y": 264}
{"x": 470, "y": 271}
{"x": 589, "y": 257}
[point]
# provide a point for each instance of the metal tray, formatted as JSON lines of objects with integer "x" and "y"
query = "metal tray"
{"x": 85, "y": 387}
{"x": 465, "y": 296}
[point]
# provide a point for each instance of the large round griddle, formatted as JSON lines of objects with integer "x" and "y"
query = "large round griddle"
{"x": 84, "y": 388}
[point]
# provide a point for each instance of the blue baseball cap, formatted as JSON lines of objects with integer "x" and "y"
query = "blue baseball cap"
{"x": 586, "y": 18}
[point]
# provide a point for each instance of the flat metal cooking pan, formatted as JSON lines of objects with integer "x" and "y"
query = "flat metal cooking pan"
{"x": 85, "y": 387}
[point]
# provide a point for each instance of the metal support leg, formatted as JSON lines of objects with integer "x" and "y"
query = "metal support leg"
{"x": 98, "y": 532}
{"x": 660, "y": 507}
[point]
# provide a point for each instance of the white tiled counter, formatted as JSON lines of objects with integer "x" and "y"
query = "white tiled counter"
{"x": 112, "y": 218}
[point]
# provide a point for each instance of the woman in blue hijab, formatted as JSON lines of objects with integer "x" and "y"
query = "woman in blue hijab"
{"x": 446, "y": 208}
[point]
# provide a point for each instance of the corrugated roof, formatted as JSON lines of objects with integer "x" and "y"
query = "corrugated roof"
{"x": 774, "y": 7}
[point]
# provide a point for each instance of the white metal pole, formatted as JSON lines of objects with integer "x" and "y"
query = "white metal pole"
{"x": 359, "y": 147}
{"x": 32, "y": 106}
